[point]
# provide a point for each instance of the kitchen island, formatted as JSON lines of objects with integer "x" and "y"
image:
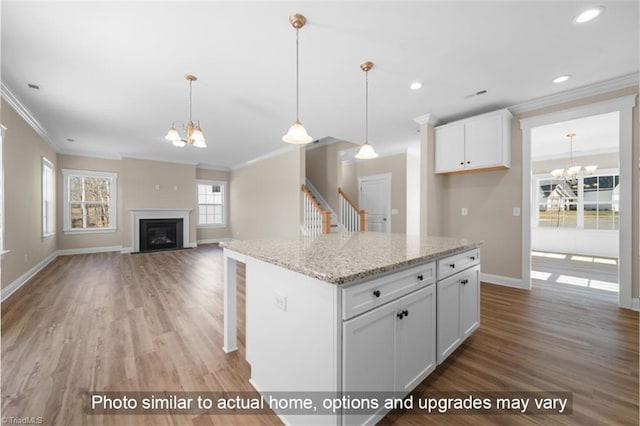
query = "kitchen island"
{"x": 350, "y": 313}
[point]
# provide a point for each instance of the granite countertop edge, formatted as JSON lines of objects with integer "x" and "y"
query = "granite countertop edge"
{"x": 358, "y": 276}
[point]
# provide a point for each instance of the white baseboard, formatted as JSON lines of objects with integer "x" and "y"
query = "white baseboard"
{"x": 193, "y": 245}
{"x": 24, "y": 278}
{"x": 126, "y": 250}
{"x": 635, "y": 304}
{"x": 89, "y": 250}
{"x": 214, "y": 240}
{"x": 505, "y": 281}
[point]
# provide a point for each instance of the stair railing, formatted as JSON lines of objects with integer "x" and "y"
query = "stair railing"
{"x": 316, "y": 220}
{"x": 352, "y": 218}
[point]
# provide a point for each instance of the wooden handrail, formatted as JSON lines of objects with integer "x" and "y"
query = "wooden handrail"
{"x": 364, "y": 217}
{"x": 346, "y": 197}
{"x": 326, "y": 214}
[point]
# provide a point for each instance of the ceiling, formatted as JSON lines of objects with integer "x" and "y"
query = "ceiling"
{"x": 598, "y": 134}
{"x": 111, "y": 73}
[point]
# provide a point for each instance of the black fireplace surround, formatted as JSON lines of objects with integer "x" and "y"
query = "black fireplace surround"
{"x": 160, "y": 234}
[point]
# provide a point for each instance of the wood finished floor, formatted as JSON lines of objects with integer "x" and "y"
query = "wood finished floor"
{"x": 112, "y": 322}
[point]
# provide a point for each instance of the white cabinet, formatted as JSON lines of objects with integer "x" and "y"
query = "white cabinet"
{"x": 458, "y": 310}
{"x": 481, "y": 142}
{"x": 391, "y": 348}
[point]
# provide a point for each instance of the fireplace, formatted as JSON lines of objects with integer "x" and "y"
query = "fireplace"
{"x": 161, "y": 234}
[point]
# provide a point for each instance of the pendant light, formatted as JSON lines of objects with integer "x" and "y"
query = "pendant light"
{"x": 571, "y": 172}
{"x": 366, "y": 150}
{"x": 297, "y": 134}
{"x": 194, "y": 135}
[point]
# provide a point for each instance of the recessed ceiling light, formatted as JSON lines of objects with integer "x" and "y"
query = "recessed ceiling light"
{"x": 589, "y": 15}
{"x": 415, "y": 85}
{"x": 33, "y": 86}
{"x": 561, "y": 79}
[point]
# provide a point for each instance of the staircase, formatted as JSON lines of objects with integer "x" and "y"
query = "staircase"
{"x": 320, "y": 218}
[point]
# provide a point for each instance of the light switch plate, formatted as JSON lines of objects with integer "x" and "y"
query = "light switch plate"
{"x": 465, "y": 212}
{"x": 394, "y": 211}
{"x": 516, "y": 211}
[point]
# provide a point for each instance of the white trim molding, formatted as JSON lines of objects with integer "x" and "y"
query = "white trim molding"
{"x": 629, "y": 80}
{"x": 624, "y": 105}
{"x": 24, "y": 278}
{"x": 635, "y": 304}
{"x": 66, "y": 209}
{"x": 89, "y": 250}
{"x": 429, "y": 119}
{"x": 138, "y": 213}
{"x": 504, "y": 281}
{"x": 214, "y": 240}
{"x": 26, "y": 115}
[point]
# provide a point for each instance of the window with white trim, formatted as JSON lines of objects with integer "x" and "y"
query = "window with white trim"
{"x": 89, "y": 201}
{"x": 48, "y": 199}
{"x": 212, "y": 203}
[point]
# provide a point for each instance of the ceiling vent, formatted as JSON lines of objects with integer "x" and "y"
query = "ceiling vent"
{"x": 473, "y": 95}
{"x": 33, "y": 86}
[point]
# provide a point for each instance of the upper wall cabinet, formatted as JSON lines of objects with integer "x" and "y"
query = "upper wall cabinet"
{"x": 478, "y": 143}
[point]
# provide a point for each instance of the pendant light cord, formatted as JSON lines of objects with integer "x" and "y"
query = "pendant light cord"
{"x": 190, "y": 99}
{"x": 366, "y": 108}
{"x": 297, "y": 77}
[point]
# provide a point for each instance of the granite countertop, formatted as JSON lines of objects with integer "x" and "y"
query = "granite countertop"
{"x": 343, "y": 258}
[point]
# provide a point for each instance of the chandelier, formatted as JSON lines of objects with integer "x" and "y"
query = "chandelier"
{"x": 297, "y": 134}
{"x": 366, "y": 151}
{"x": 194, "y": 135}
{"x": 573, "y": 170}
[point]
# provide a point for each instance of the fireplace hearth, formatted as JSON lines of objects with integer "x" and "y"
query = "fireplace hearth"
{"x": 161, "y": 234}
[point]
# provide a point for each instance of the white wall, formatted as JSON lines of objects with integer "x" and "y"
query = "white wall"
{"x": 589, "y": 242}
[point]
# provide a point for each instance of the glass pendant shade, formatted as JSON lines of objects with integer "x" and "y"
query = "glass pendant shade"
{"x": 297, "y": 135}
{"x": 172, "y": 135}
{"x": 590, "y": 169}
{"x": 366, "y": 152}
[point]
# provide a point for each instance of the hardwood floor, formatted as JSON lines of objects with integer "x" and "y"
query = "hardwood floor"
{"x": 112, "y": 322}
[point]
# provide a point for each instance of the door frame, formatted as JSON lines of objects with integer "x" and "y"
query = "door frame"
{"x": 382, "y": 176}
{"x": 624, "y": 105}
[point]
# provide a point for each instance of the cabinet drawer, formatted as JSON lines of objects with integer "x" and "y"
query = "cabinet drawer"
{"x": 359, "y": 298}
{"x": 457, "y": 262}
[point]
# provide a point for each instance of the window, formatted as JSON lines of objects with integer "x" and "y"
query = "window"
{"x": 89, "y": 201}
{"x": 559, "y": 202}
{"x": 211, "y": 203}
{"x": 2, "y": 251}
{"x": 48, "y": 199}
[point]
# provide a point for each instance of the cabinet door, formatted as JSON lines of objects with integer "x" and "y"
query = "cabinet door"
{"x": 448, "y": 316}
{"x": 369, "y": 350}
{"x": 416, "y": 338}
{"x": 449, "y": 148}
{"x": 483, "y": 142}
{"x": 470, "y": 302}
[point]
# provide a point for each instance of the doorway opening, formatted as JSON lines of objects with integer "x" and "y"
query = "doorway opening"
{"x": 624, "y": 107}
{"x": 575, "y": 189}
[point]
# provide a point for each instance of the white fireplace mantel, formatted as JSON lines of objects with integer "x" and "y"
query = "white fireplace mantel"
{"x": 137, "y": 214}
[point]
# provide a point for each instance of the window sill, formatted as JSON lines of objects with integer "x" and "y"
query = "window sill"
{"x": 211, "y": 226}
{"x": 4, "y": 252}
{"x": 47, "y": 237}
{"x": 89, "y": 231}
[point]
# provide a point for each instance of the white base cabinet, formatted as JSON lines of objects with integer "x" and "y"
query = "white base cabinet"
{"x": 458, "y": 310}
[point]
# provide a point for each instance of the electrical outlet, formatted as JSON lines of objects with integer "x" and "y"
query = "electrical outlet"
{"x": 175, "y": 187}
{"x": 157, "y": 187}
{"x": 516, "y": 211}
{"x": 26, "y": 258}
{"x": 280, "y": 301}
{"x": 394, "y": 212}
{"x": 465, "y": 212}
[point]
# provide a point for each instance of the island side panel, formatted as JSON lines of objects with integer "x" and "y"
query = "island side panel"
{"x": 230, "y": 258}
{"x": 292, "y": 332}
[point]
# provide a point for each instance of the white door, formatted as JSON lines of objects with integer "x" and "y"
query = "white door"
{"x": 375, "y": 199}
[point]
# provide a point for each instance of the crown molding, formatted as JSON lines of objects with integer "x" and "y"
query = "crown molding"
{"x": 26, "y": 115}
{"x": 205, "y": 166}
{"x": 599, "y": 88}
{"x": 426, "y": 119}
